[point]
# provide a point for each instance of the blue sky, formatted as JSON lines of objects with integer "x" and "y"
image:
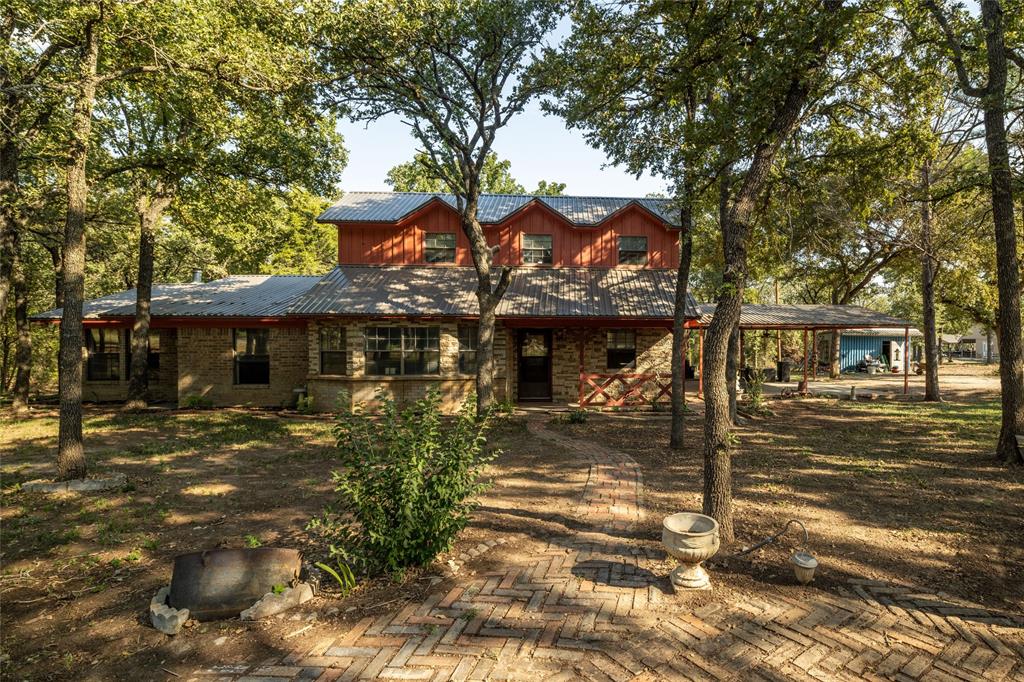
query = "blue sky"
{"x": 538, "y": 146}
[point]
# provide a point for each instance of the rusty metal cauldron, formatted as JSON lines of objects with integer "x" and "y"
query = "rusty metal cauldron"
{"x": 221, "y": 583}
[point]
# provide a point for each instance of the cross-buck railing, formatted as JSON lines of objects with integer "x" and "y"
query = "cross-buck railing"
{"x": 621, "y": 389}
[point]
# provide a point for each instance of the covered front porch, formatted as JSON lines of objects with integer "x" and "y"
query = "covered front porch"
{"x": 611, "y": 364}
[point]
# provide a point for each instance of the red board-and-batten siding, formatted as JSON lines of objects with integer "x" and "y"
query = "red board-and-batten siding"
{"x": 572, "y": 246}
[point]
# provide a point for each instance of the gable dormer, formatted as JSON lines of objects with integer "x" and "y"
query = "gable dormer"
{"x": 413, "y": 228}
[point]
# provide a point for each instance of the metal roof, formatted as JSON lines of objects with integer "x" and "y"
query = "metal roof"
{"x": 811, "y": 316}
{"x": 233, "y": 296}
{"x": 391, "y": 207}
{"x": 533, "y": 292}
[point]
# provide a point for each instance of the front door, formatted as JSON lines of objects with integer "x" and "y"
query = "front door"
{"x": 535, "y": 365}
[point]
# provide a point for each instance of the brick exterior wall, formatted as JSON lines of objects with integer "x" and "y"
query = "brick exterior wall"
{"x": 200, "y": 361}
{"x": 163, "y": 383}
{"x": 653, "y": 354}
{"x": 358, "y": 387}
{"x": 206, "y": 367}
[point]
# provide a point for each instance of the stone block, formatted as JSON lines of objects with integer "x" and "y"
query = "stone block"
{"x": 164, "y": 618}
{"x": 271, "y": 603}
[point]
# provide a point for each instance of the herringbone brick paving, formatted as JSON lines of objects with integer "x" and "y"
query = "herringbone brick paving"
{"x": 586, "y": 608}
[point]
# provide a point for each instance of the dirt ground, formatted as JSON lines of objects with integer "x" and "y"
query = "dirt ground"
{"x": 900, "y": 491}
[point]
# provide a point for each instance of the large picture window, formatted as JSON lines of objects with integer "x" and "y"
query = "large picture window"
{"x": 152, "y": 352}
{"x": 439, "y": 247}
{"x": 621, "y": 348}
{"x": 393, "y": 351}
{"x": 537, "y": 249}
{"x": 467, "y": 349}
{"x": 632, "y": 250}
{"x": 333, "y": 358}
{"x": 103, "y": 361}
{"x": 252, "y": 356}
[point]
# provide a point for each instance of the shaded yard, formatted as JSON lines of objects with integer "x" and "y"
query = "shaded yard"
{"x": 904, "y": 492}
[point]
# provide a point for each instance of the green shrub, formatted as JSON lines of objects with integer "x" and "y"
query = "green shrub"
{"x": 198, "y": 402}
{"x": 406, "y": 483}
{"x": 577, "y": 416}
{"x": 755, "y": 389}
{"x": 304, "y": 404}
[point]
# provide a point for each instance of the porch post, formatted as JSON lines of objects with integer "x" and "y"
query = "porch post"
{"x": 906, "y": 361}
{"x": 583, "y": 340}
{"x": 700, "y": 363}
{"x": 804, "y": 387}
{"x": 814, "y": 354}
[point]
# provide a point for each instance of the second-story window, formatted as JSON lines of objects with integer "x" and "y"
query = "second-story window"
{"x": 537, "y": 249}
{"x": 333, "y": 359}
{"x": 439, "y": 247}
{"x": 632, "y": 250}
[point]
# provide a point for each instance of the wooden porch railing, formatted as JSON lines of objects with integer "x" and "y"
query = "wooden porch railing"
{"x": 618, "y": 390}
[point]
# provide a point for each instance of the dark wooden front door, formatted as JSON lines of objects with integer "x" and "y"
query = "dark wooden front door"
{"x": 534, "y": 350}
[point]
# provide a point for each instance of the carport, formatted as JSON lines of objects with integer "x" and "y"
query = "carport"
{"x": 810, "y": 319}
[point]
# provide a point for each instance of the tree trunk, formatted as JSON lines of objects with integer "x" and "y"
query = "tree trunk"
{"x": 487, "y": 295}
{"x": 9, "y": 154}
{"x": 677, "y": 436}
{"x": 732, "y": 367}
{"x": 23, "y": 349}
{"x": 988, "y": 346}
{"x": 1011, "y": 354}
{"x": 70, "y": 453}
{"x": 834, "y": 370}
{"x": 928, "y": 272}
{"x": 150, "y": 208}
{"x": 57, "y": 259}
{"x": 736, "y": 218}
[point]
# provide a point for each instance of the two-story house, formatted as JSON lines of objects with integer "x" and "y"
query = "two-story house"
{"x": 591, "y": 298}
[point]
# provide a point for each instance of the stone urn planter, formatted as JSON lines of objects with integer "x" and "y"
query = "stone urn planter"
{"x": 692, "y": 539}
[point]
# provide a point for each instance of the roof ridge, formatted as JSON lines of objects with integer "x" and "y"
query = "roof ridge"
{"x": 518, "y": 196}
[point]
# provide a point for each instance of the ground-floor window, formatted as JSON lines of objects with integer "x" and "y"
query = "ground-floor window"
{"x": 467, "y": 348}
{"x": 391, "y": 351}
{"x": 333, "y": 359}
{"x": 621, "y": 348}
{"x": 152, "y": 351}
{"x": 103, "y": 361}
{"x": 252, "y": 356}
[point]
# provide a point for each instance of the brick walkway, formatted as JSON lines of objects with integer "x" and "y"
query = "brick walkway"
{"x": 586, "y": 608}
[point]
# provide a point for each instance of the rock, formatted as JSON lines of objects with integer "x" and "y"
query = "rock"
{"x": 220, "y": 641}
{"x": 78, "y": 485}
{"x": 164, "y": 618}
{"x": 271, "y": 604}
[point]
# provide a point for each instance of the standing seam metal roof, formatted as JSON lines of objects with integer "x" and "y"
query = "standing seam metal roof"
{"x": 233, "y": 296}
{"x": 532, "y": 292}
{"x": 810, "y": 315}
{"x": 391, "y": 207}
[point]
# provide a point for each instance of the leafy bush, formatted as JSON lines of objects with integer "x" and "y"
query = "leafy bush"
{"x": 198, "y": 402}
{"x": 577, "y": 416}
{"x": 406, "y": 483}
{"x": 755, "y": 389}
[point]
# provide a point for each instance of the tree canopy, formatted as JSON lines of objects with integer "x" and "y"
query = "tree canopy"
{"x": 495, "y": 178}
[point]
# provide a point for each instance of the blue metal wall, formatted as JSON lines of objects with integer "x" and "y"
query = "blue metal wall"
{"x": 853, "y": 347}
